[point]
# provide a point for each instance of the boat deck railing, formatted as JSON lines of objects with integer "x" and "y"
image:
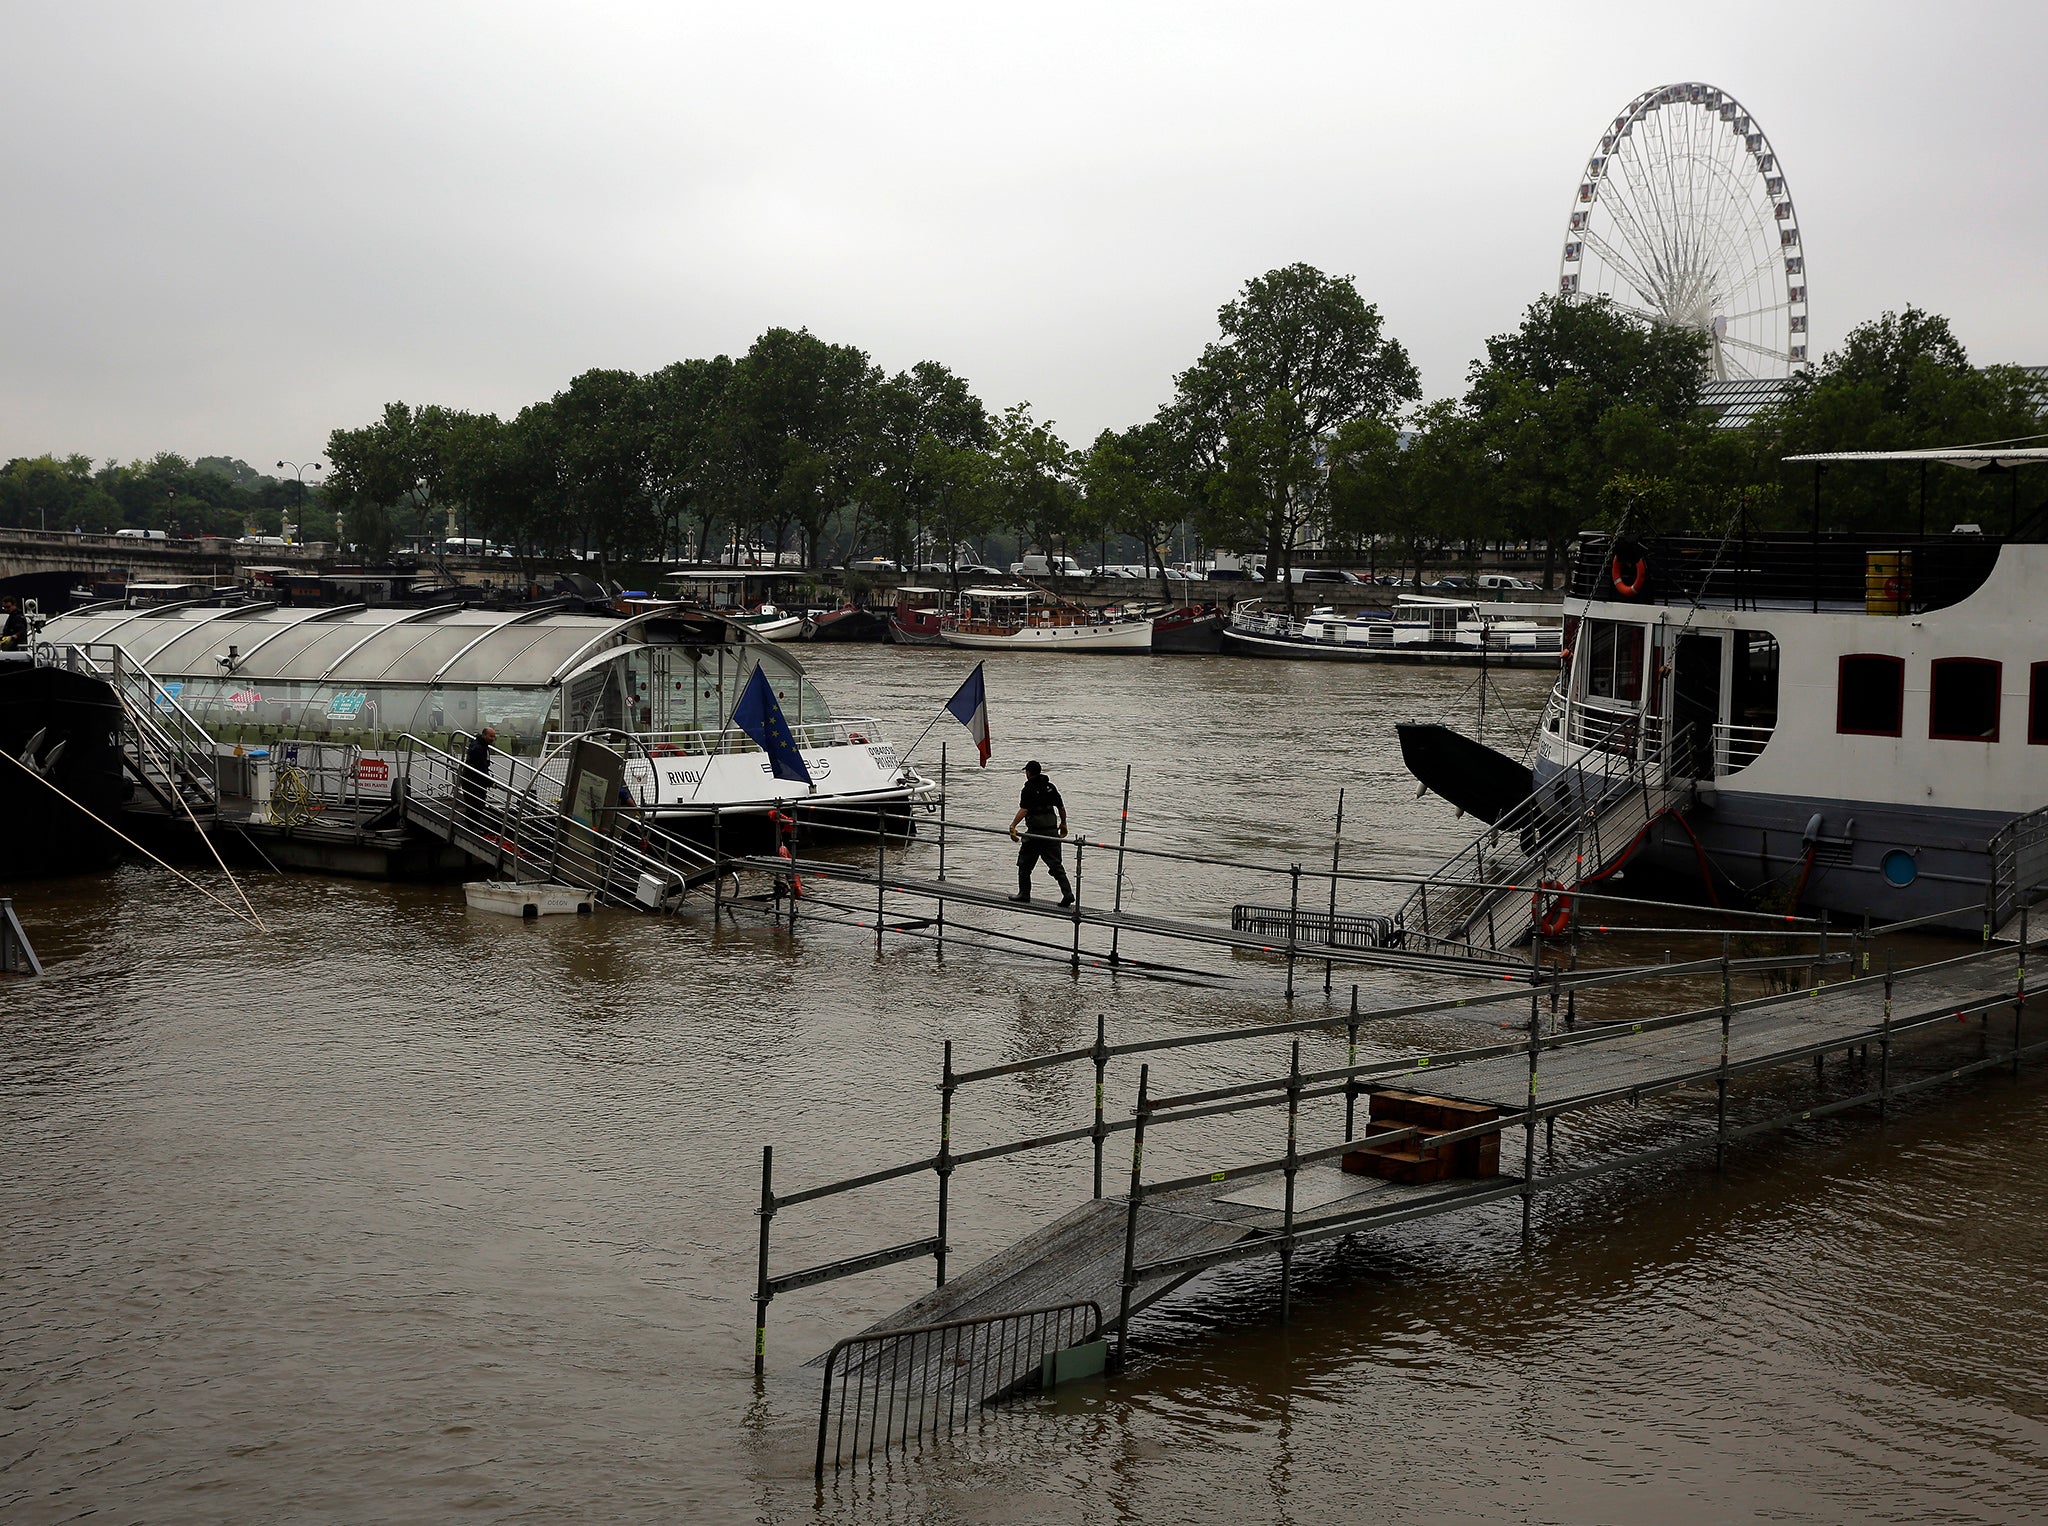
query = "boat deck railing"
{"x": 695, "y": 742}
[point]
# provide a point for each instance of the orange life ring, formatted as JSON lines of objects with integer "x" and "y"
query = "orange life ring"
{"x": 1629, "y": 589}
{"x": 665, "y": 750}
{"x": 1553, "y": 920}
{"x": 855, "y": 739}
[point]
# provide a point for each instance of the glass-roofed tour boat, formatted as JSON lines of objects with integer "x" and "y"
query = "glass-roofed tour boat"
{"x": 659, "y": 686}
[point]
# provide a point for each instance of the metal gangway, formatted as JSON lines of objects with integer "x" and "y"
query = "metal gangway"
{"x": 511, "y": 819}
{"x": 1521, "y": 872}
{"x": 168, "y": 753}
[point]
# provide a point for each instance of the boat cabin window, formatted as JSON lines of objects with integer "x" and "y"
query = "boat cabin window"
{"x": 1613, "y": 662}
{"x": 1962, "y": 700}
{"x": 1870, "y": 695}
{"x": 2037, "y": 704}
{"x": 1755, "y": 700}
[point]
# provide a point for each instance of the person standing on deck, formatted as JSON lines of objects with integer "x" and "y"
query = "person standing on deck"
{"x": 13, "y": 626}
{"x": 476, "y": 774}
{"x": 1044, "y": 817}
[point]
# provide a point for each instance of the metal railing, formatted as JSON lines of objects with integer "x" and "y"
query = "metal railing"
{"x": 169, "y": 751}
{"x": 2019, "y": 867}
{"x": 1736, "y": 747}
{"x": 512, "y": 818}
{"x": 1483, "y": 898}
{"x": 898, "y": 1386}
{"x": 849, "y": 731}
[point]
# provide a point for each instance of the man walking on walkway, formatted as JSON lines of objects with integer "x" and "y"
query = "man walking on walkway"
{"x": 1044, "y": 817}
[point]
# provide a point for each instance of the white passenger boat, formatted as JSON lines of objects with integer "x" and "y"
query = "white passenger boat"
{"x": 1418, "y": 629}
{"x": 1864, "y": 718}
{"x": 348, "y": 690}
{"x": 744, "y": 597}
{"x": 1024, "y": 620}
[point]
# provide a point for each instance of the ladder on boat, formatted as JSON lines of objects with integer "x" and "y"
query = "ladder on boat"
{"x": 1574, "y": 828}
{"x": 513, "y": 823}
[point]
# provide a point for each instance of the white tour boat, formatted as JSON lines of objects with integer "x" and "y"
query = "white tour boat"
{"x": 1024, "y": 620}
{"x": 1864, "y": 717}
{"x": 352, "y": 689}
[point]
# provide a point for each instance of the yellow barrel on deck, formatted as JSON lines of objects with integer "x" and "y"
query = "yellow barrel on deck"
{"x": 1887, "y": 582}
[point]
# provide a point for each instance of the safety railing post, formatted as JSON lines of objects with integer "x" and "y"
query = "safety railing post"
{"x": 1101, "y": 1129}
{"x": 1123, "y": 1318}
{"x": 1350, "y": 1068}
{"x": 1721, "y": 1080}
{"x": 762, "y": 1292}
{"x": 1529, "y": 1116}
{"x": 1079, "y": 847}
{"x": 2019, "y": 1005}
{"x": 1884, "y": 1044}
{"x": 944, "y": 1164}
{"x": 718, "y": 857}
{"x": 942, "y": 851}
{"x": 1292, "y": 1166}
{"x": 1123, "y": 829}
{"x": 881, "y": 868}
{"x": 1330, "y": 934}
{"x": 1293, "y": 922}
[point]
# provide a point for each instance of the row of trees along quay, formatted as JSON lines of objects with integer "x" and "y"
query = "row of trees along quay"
{"x": 1299, "y": 431}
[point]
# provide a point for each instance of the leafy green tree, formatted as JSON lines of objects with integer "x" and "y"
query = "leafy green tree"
{"x": 1033, "y": 478}
{"x": 693, "y": 458}
{"x": 1137, "y": 481}
{"x": 54, "y": 493}
{"x": 1301, "y": 355}
{"x": 1902, "y": 381}
{"x": 399, "y": 464}
{"x": 1541, "y": 400}
{"x": 798, "y": 424}
{"x": 916, "y": 418}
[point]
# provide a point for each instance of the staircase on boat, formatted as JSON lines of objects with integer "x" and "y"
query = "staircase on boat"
{"x": 1487, "y": 897}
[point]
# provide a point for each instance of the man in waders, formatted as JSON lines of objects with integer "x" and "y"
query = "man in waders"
{"x": 1044, "y": 817}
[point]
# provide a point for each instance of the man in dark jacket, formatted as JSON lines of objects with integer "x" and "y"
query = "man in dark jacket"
{"x": 476, "y": 776}
{"x": 13, "y": 626}
{"x": 1044, "y": 818}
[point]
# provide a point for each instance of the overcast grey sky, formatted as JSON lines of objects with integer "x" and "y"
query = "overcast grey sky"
{"x": 230, "y": 228}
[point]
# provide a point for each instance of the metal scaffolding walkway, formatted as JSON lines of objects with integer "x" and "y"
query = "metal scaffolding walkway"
{"x": 1123, "y": 1252}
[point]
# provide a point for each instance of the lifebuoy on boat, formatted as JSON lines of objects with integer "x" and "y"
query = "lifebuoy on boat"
{"x": 665, "y": 750}
{"x": 855, "y": 739}
{"x": 1554, "y": 918}
{"x": 1628, "y": 588}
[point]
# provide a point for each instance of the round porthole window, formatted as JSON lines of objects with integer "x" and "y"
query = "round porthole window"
{"x": 1899, "y": 867}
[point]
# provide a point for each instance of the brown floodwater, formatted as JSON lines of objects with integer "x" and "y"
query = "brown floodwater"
{"x": 403, "y": 1212}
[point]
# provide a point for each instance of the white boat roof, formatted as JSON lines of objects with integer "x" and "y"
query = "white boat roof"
{"x": 917, "y": 588}
{"x": 1975, "y": 458}
{"x": 444, "y": 644}
{"x": 998, "y": 593}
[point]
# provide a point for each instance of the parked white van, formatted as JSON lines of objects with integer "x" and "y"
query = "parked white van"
{"x": 1036, "y": 566}
{"x": 142, "y": 535}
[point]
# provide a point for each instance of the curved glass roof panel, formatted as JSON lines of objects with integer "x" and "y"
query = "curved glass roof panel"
{"x": 364, "y": 646}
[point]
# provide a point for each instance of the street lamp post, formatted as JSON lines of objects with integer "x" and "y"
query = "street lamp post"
{"x": 299, "y": 470}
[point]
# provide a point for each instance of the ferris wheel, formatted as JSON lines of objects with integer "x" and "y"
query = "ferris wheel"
{"x": 1683, "y": 217}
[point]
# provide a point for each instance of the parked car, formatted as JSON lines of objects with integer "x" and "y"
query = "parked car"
{"x": 142, "y": 535}
{"x": 1493, "y": 580}
{"x": 1320, "y": 575}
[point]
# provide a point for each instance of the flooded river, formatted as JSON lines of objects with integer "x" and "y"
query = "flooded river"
{"x": 404, "y": 1212}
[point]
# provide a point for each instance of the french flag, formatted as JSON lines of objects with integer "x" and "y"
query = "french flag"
{"x": 970, "y": 708}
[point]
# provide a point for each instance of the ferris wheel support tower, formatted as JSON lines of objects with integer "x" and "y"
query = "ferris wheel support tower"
{"x": 1683, "y": 217}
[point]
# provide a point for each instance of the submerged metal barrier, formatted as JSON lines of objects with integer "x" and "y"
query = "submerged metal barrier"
{"x": 902, "y": 1385}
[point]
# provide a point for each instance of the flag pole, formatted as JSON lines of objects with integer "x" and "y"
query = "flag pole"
{"x": 943, "y": 713}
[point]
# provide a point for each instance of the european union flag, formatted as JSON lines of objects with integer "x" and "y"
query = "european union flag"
{"x": 760, "y": 717}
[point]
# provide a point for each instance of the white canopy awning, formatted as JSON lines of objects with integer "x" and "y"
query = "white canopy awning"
{"x": 1976, "y": 459}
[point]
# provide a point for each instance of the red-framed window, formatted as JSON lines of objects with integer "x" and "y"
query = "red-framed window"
{"x": 1963, "y": 699}
{"x": 1870, "y": 695}
{"x": 2037, "y": 704}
